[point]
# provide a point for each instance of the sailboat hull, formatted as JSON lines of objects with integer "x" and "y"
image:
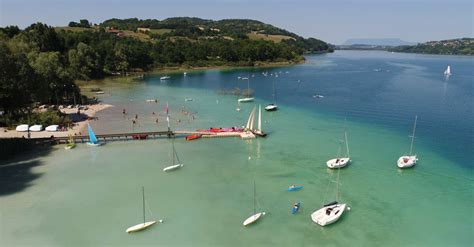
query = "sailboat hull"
{"x": 271, "y": 107}
{"x": 70, "y": 146}
{"x": 92, "y": 144}
{"x": 407, "y": 161}
{"x": 140, "y": 227}
{"x": 173, "y": 167}
{"x": 328, "y": 214}
{"x": 245, "y": 100}
{"x": 253, "y": 218}
{"x": 338, "y": 163}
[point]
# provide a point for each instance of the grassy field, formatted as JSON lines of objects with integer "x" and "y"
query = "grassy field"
{"x": 160, "y": 31}
{"x": 138, "y": 35}
{"x": 73, "y": 29}
{"x": 270, "y": 37}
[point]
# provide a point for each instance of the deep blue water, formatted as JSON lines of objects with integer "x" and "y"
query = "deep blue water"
{"x": 381, "y": 88}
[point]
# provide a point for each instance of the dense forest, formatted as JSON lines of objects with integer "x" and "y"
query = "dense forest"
{"x": 464, "y": 46}
{"x": 39, "y": 65}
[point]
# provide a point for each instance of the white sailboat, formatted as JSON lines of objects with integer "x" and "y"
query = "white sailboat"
{"x": 409, "y": 160}
{"x": 256, "y": 216}
{"x": 145, "y": 224}
{"x": 447, "y": 72}
{"x": 248, "y": 130}
{"x": 259, "y": 131}
{"x": 272, "y": 106}
{"x": 340, "y": 162}
{"x": 175, "y": 165}
{"x": 163, "y": 78}
{"x": 330, "y": 212}
{"x": 248, "y": 98}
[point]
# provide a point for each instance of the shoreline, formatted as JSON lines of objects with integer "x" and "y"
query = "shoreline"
{"x": 79, "y": 128}
{"x": 176, "y": 69}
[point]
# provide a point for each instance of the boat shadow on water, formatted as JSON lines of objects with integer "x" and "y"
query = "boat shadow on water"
{"x": 16, "y": 173}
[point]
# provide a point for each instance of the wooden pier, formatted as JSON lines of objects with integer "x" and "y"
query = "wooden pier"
{"x": 140, "y": 136}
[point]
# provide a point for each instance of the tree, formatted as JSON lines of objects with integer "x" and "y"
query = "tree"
{"x": 15, "y": 81}
{"x": 84, "y": 62}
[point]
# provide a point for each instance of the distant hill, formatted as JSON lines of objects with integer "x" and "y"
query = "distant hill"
{"x": 377, "y": 42}
{"x": 230, "y": 29}
{"x": 464, "y": 46}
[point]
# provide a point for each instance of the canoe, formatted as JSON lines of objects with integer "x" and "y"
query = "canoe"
{"x": 296, "y": 208}
{"x": 140, "y": 137}
{"x": 174, "y": 167}
{"x": 253, "y": 218}
{"x": 193, "y": 137}
{"x": 295, "y": 187}
{"x": 70, "y": 146}
{"x": 141, "y": 226}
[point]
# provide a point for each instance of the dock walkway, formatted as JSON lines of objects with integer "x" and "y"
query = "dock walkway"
{"x": 141, "y": 136}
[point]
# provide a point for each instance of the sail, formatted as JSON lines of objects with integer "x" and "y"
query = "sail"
{"x": 259, "y": 126}
{"x": 448, "y": 70}
{"x": 252, "y": 121}
{"x": 249, "y": 124}
{"x": 92, "y": 137}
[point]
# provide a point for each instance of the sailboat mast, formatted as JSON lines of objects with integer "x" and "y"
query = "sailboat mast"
{"x": 347, "y": 144}
{"x": 173, "y": 152}
{"x": 413, "y": 135}
{"x": 254, "y": 198}
{"x": 143, "y": 193}
{"x": 259, "y": 118}
{"x": 248, "y": 85}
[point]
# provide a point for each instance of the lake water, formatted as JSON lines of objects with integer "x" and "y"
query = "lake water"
{"x": 89, "y": 196}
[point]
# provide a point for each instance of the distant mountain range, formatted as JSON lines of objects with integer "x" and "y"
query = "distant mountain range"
{"x": 377, "y": 42}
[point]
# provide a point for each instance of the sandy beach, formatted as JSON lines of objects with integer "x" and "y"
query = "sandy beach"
{"x": 77, "y": 129}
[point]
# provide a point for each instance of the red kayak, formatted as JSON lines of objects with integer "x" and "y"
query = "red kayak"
{"x": 193, "y": 137}
{"x": 140, "y": 137}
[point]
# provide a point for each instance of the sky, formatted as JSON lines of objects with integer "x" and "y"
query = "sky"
{"x": 333, "y": 21}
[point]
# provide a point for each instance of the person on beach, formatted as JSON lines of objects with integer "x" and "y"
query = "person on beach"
{"x": 124, "y": 112}
{"x": 156, "y": 120}
{"x": 136, "y": 116}
{"x": 153, "y": 113}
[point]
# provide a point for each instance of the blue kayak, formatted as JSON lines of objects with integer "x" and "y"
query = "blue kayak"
{"x": 295, "y": 187}
{"x": 296, "y": 208}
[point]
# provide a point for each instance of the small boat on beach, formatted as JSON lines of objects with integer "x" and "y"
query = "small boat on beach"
{"x": 99, "y": 92}
{"x": 295, "y": 187}
{"x": 22, "y": 128}
{"x": 152, "y": 100}
{"x": 145, "y": 224}
{"x": 36, "y": 128}
{"x": 188, "y": 99}
{"x": 52, "y": 128}
{"x": 256, "y": 216}
{"x": 409, "y": 160}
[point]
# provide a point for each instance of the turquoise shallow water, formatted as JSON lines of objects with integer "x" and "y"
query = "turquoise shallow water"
{"x": 89, "y": 196}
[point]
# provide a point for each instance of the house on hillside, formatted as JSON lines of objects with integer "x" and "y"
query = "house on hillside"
{"x": 117, "y": 32}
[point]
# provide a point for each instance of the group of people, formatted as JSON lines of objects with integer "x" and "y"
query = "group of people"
{"x": 156, "y": 116}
